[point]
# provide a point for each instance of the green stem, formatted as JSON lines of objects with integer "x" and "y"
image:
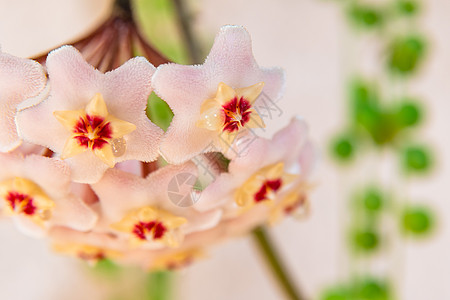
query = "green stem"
{"x": 184, "y": 22}
{"x": 159, "y": 285}
{"x": 273, "y": 260}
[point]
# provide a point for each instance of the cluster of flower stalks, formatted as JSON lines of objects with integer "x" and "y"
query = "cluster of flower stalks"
{"x": 84, "y": 167}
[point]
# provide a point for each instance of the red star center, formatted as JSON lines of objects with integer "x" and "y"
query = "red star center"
{"x": 268, "y": 187}
{"x": 21, "y": 203}
{"x": 155, "y": 230}
{"x": 237, "y": 114}
{"x": 92, "y": 132}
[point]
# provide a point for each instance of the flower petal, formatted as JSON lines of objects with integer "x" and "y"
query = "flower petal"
{"x": 97, "y": 106}
{"x": 19, "y": 79}
{"x": 230, "y": 64}
{"x": 74, "y": 83}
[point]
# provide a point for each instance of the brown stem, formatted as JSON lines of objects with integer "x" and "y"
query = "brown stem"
{"x": 149, "y": 167}
{"x": 47, "y": 153}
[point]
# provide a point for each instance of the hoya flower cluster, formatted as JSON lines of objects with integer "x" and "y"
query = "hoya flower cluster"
{"x": 83, "y": 165}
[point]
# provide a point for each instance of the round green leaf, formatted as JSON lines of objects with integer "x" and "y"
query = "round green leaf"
{"x": 417, "y": 220}
{"x": 405, "y": 54}
{"x": 343, "y": 148}
{"x": 416, "y": 159}
{"x": 371, "y": 289}
{"x": 409, "y": 114}
{"x": 366, "y": 240}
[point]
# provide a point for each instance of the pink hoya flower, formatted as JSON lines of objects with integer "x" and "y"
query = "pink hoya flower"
{"x": 129, "y": 233}
{"x": 90, "y": 119}
{"x": 20, "y": 79}
{"x": 215, "y": 102}
{"x": 149, "y": 217}
{"x": 272, "y": 172}
{"x": 36, "y": 192}
{"x": 99, "y": 193}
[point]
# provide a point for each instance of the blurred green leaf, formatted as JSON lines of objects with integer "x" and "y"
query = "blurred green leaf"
{"x": 159, "y": 285}
{"x": 407, "y": 7}
{"x": 365, "y": 240}
{"x": 336, "y": 293}
{"x": 417, "y": 220}
{"x": 371, "y": 289}
{"x": 107, "y": 267}
{"x": 372, "y": 200}
{"x": 368, "y": 113}
{"x": 405, "y": 54}
{"x": 343, "y": 148}
{"x": 366, "y": 16}
{"x": 159, "y": 23}
{"x": 416, "y": 159}
{"x": 409, "y": 113}
{"x": 159, "y": 112}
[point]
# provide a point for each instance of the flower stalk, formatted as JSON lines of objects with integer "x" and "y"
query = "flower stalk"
{"x": 159, "y": 285}
{"x": 272, "y": 258}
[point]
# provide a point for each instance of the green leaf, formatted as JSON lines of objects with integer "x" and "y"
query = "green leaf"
{"x": 405, "y": 54}
{"x": 372, "y": 200}
{"x": 366, "y": 16}
{"x": 409, "y": 113}
{"x": 107, "y": 267}
{"x": 339, "y": 292}
{"x": 416, "y": 159}
{"x": 417, "y": 220}
{"x": 159, "y": 112}
{"x": 343, "y": 148}
{"x": 407, "y": 7}
{"x": 371, "y": 289}
{"x": 159, "y": 285}
{"x": 365, "y": 240}
{"x": 159, "y": 23}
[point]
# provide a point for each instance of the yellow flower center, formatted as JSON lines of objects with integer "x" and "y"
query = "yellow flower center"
{"x": 151, "y": 224}
{"x": 23, "y": 197}
{"x": 177, "y": 260}
{"x": 263, "y": 186}
{"x": 231, "y": 110}
{"x": 94, "y": 129}
{"x": 88, "y": 253}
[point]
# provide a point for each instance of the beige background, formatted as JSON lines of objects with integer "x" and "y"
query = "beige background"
{"x": 309, "y": 40}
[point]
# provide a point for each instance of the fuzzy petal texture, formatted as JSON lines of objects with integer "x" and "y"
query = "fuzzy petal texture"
{"x": 73, "y": 84}
{"x": 185, "y": 88}
{"x": 121, "y": 192}
{"x": 286, "y": 146}
{"x": 53, "y": 178}
{"x": 20, "y": 79}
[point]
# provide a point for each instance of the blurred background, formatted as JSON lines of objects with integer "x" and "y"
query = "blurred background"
{"x": 327, "y": 57}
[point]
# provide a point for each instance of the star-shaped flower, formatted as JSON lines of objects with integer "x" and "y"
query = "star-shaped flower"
{"x": 20, "y": 79}
{"x": 145, "y": 211}
{"x": 263, "y": 172}
{"x": 214, "y": 102}
{"x": 93, "y": 120}
{"x": 36, "y": 192}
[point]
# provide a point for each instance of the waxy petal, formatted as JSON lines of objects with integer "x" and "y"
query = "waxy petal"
{"x": 251, "y": 93}
{"x": 185, "y": 88}
{"x": 20, "y": 79}
{"x": 284, "y": 151}
{"x": 97, "y": 106}
{"x": 153, "y": 191}
{"x": 74, "y": 83}
{"x": 224, "y": 93}
{"x": 53, "y": 178}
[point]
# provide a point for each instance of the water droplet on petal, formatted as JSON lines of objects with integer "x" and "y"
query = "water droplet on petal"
{"x": 119, "y": 146}
{"x": 45, "y": 214}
